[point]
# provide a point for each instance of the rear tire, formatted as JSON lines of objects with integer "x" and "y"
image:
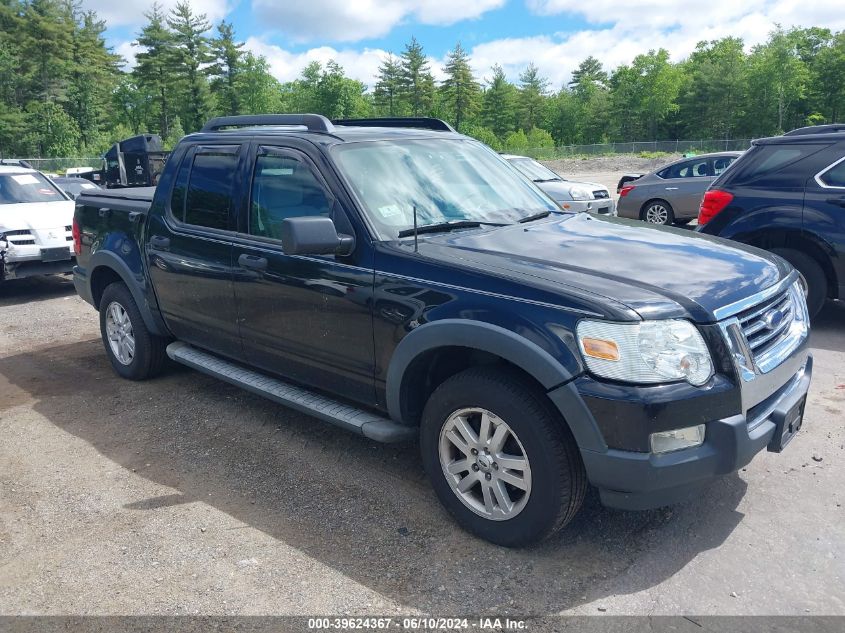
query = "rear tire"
{"x": 134, "y": 352}
{"x": 541, "y": 490}
{"x": 657, "y": 212}
{"x": 814, "y": 277}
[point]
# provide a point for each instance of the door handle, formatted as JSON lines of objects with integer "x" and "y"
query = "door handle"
{"x": 160, "y": 243}
{"x": 671, "y": 188}
{"x": 252, "y": 262}
{"x": 837, "y": 201}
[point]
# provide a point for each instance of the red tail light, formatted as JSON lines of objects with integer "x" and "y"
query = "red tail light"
{"x": 712, "y": 204}
{"x": 77, "y": 237}
{"x": 624, "y": 191}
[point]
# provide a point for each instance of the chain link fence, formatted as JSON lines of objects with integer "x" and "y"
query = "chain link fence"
{"x": 61, "y": 165}
{"x": 640, "y": 147}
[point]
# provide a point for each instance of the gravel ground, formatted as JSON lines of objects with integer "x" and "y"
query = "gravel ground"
{"x": 185, "y": 495}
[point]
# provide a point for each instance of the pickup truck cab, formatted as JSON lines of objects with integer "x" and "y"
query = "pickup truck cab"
{"x": 400, "y": 280}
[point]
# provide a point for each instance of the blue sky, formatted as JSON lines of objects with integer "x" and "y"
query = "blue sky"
{"x": 554, "y": 34}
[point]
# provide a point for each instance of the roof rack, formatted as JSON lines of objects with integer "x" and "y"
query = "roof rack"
{"x": 817, "y": 129}
{"x": 425, "y": 123}
{"x": 312, "y": 122}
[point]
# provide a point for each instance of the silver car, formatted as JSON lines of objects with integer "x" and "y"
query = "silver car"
{"x": 673, "y": 193}
{"x": 571, "y": 195}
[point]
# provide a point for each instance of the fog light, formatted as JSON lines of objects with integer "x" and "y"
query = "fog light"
{"x": 677, "y": 439}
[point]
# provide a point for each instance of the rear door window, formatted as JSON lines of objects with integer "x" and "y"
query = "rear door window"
{"x": 208, "y": 195}
{"x": 834, "y": 176}
{"x": 775, "y": 164}
{"x": 687, "y": 169}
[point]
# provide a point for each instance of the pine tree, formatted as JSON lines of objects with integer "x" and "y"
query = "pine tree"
{"x": 192, "y": 52}
{"x": 499, "y": 104}
{"x": 416, "y": 83}
{"x": 388, "y": 86}
{"x": 226, "y": 68}
{"x": 460, "y": 90}
{"x": 589, "y": 70}
{"x": 155, "y": 65}
{"x": 532, "y": 98}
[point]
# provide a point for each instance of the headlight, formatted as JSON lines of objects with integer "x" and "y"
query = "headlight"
{"x": 580, "y": 193}
{"x": 645, "y": 352}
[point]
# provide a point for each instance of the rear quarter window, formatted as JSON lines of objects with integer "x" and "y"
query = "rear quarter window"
{"x": 775, "y": 165}
{"x": 834, "y": 176}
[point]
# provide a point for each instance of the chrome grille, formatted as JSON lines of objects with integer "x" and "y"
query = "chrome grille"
{"x": 768, "y": 323}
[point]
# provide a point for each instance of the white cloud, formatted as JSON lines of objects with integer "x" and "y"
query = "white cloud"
{"x": 127, "y": 51}
{"x": 132, "y": 13}
{"x": 361, "y": 65}
{"x": 349, "y": 21}
{"x": 648, "y": 24}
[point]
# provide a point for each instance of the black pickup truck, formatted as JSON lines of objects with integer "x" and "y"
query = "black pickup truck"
{"x": 402, "y": 281}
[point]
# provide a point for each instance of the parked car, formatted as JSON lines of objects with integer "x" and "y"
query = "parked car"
{"x": 35, "y": 225}
{"x": 454, "y": 305}
{"x": 787, "y": 195}
{"x": 74, "y": 185}
{"x": 673, "y": 193}
{"x": 571, "y": 195}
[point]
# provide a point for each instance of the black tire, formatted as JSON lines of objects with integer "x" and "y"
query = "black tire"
{"x": 813, "y": 275}
{"x": 558, "y": 480}
{"x": 670, "y": 212}
{"x": 149, "y": 355}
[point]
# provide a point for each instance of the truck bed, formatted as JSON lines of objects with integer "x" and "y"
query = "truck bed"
{"x": 130, "y": 199}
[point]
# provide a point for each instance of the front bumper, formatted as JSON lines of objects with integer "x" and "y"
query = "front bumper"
{"x": 31, "y": 267}
{"x": 638, "y": 480}
{"x": 602, "y": 206}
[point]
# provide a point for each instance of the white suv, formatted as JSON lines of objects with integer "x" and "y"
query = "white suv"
{"x": 36, "y": 220}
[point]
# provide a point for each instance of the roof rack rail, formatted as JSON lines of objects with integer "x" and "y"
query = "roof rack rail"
{"x": 830, "y": 128}
{"x": 312, "y": 122}
{"x": 425, "y": 123}
{"x": 15, "y": 162}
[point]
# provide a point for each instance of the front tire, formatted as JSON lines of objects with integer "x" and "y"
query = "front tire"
{"x": 658, "y": 212}
{"x": 500, "y": 459}
{"x": 814, "y": 278}
{"x": 134, "y": 352}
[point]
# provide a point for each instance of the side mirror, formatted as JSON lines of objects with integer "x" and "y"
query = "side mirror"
{"x": 314, "y": 235}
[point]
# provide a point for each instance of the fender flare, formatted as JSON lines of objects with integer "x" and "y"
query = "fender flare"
{"x": 110, "y": 260}
{"x": 516, "y": 349}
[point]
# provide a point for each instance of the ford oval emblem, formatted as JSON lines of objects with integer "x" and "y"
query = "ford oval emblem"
{"x": 773, "y": 319}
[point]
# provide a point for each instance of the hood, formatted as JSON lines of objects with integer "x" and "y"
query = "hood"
{"x": 36, "y": 215}
{"x": 659, "y": 272}
{"x": 559, "y": 190}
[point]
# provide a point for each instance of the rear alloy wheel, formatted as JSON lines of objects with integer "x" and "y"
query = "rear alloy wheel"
{"x": 813, "y": 278}
{"x": 500, "y": 458}
{"x": 135, "y": 353}
{"x": 658, "y": 212}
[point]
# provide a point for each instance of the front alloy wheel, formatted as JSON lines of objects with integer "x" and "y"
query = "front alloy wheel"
{"x": 485, "y": 464}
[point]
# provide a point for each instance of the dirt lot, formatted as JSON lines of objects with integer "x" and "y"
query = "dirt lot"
{"x": 185, "y": 495}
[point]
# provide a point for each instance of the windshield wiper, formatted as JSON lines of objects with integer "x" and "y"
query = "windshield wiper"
{"x": 548, "y": 179}
{"x": 535, "y": 216}
{"x": 447, "y": 226}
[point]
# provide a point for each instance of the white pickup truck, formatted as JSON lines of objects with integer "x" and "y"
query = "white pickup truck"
{"x": 36, "y": 220}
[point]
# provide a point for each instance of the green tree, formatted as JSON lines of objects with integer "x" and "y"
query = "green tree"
{"x": 51, "y": 132}
{"x": 191, "y": 53}
{"x": 388, "y": 86}
{"x": 416, "y": 83}
{"x": 589, "y": 70}
{"x": 532, "y": 97}
{"x": 259, "y": 92}
{"x": 155, "y": 65}
{"x": 460, "y": 91}
{"x": 516, "y": 141}
{"x": 499, "y": 104}
{"x": 228, "y": 56}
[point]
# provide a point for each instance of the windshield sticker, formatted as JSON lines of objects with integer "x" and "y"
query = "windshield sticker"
{"x": 87, "y": 186}
{"x": 26, "y": 179}
{"x": 47, "y": 192}
{"x": 390, "y": 211}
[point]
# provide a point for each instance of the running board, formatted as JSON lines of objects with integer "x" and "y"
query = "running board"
{"x": 360, "y": 421}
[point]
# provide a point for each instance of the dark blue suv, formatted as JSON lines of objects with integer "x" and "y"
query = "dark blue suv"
{"x": 787, "y": 195}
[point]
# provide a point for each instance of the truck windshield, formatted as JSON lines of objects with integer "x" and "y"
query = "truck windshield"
{"x": 447, "y": 180}
{"x": 27, "y": 187}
